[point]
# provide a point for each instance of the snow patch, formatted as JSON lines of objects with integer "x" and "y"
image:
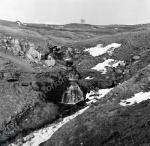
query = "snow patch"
{"x": 44, "y": 134}
{"x": 139, "y": 97}
{"x": 99, "y": 49}
{"x": 107, "y": 63}
{"x": 88, "y": 78}
{"x": 67, "y": 59}
{"x": 117, "y": 63}
{"x": 93, "y": 96}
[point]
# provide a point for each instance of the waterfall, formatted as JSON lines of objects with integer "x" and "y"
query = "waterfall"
{"x": 73, "y": 94}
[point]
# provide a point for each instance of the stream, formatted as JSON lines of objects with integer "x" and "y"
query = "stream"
{"x": 42, "y": 135}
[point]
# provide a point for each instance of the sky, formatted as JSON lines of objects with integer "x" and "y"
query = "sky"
{"x": 98, "y": 12}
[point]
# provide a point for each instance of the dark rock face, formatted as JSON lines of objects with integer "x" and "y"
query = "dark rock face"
{"x": 52, "y": 85}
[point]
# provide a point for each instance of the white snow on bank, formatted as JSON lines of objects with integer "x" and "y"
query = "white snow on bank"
{"x": 94, "y": 96}
{"x": 139, "y": 97}
{"x": 88, "y": 78}
{"x": 67, "y": 59}
{"x": 102, "y": 66}
{"x": 99, "y": 49}
{"x": 46, "y": 133}
{"x": 117, "y": 63}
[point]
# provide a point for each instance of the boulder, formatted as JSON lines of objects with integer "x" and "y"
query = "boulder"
{"x": 50, "y": 62}
{"x": 16, "y": 46}
{"x": 136, "y": 57}
{"x": 33, "y": 55}
{"x": 70, "y": 49}
{"x": 122, "y": 64}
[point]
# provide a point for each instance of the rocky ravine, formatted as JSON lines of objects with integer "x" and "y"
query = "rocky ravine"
{"x": 118, "y": 118}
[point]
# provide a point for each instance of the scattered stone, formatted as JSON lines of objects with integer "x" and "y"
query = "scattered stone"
{"x": 50, "y": 62}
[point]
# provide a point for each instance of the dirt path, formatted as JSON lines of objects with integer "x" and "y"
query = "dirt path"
{"x": 25, "y": 66}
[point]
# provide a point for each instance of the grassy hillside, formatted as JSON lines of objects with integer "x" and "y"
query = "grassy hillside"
{"x": 61, "y": 34}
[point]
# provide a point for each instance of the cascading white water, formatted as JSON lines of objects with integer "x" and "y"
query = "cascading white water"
{"x": 73, "y": 94}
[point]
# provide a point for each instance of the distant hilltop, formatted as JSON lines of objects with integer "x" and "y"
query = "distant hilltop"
{"x": 21, "y": 24}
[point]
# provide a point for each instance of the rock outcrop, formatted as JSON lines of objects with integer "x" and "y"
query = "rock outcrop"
{"x": 32, "y": 55}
